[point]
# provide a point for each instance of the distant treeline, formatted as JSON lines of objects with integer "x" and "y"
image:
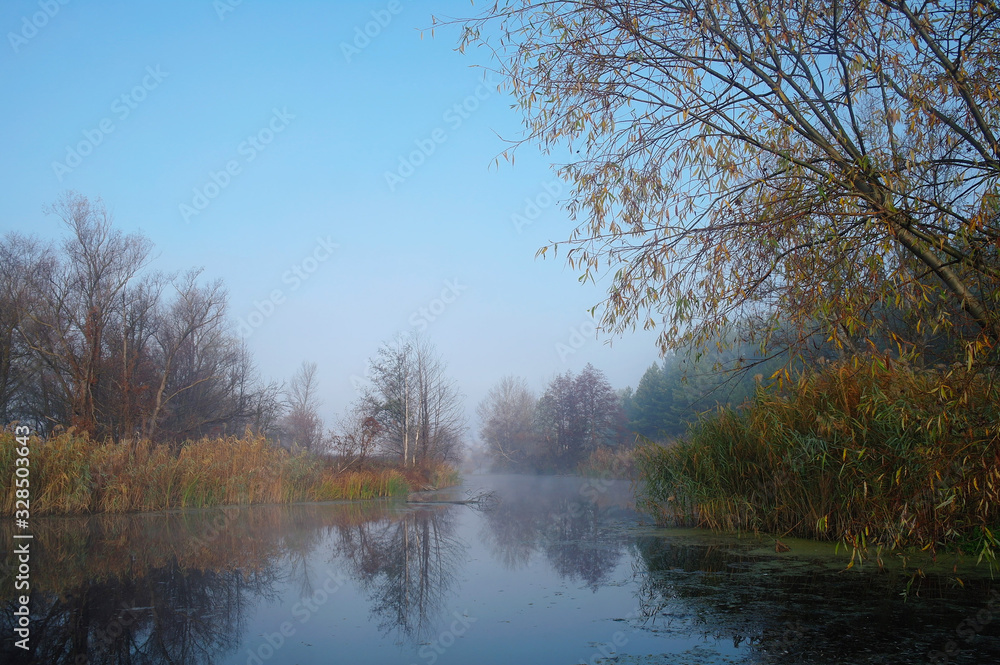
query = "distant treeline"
{"x": 580, "y": 423}
{"x": 575, "y": 416}
{"x": 672, "y": 394}
{"x": 93, "y": 340}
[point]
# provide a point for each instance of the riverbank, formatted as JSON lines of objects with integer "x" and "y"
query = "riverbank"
{"x": 869, "y": 454}
{"x": 70, "y": 474}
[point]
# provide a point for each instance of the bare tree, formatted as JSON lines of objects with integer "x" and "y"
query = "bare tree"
{"x": 415, "y": 402}
{"x": 194, "y": 324}
{"x": 24, "y": 263}
{"x": 87, "y": 340}
{"x": 440, "y": 421}
{"x": 76, "y": 303}
{"x": 356, "y": 434}
{"x": 125, "y": 397}
{"x": 255, "y": 404}
{"x": 506, "y": 422}
{"x": 302, "y": 424}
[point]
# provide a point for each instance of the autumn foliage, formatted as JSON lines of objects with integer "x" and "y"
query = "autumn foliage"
{"x": 865, "y": 453}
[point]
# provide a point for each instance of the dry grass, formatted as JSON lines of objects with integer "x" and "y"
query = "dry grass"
{"x": 72, "y": 474}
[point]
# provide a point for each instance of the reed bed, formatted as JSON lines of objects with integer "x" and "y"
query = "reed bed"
{"x": 868, "y": 453}
{"x": 604, "y": 462}
{"x": 441, "y": 474}
{"x": 71, "y": 474}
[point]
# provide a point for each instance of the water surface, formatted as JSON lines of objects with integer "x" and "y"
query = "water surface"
{"x": 559, "y": 570}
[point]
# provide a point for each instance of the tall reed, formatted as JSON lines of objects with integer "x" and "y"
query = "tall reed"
{"x": 604, "y": 462}
{"x": 867, "y": 453}
{"x": 72, "y": 474}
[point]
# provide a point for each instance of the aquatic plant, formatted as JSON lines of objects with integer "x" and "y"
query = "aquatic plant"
{"x": 605, "y": 462}
{"x": 867, "y": 452}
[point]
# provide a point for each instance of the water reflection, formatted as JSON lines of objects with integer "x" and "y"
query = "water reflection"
{"x": 787, "y": 610}
{"x": 170, "y": 615}
{"x": 176, "y": 588}
{"x": 407, "y": 566}
{"x": 560, "y": 564}
{"x": 576, "y": 523}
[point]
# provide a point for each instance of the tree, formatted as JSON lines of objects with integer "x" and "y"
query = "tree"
{"x": 810, "y": 163}
{"x": 559, "y": 425}
{"x": 653, "y": 405}
{"x": 506, "y": 423}
{"x": 88, "y": 340}
{"x": 356, "y": 435}
{"x": 24, "y": 263}
{"x": 195, "y": 320}
{"x": 575, "y": 416}
{"x": 76, "y": 304}
{"x": 601, "y": 412}
{"x": 417, "y": 406}
{"x": 126, "y": 396}
{"x": 302, "y": 424}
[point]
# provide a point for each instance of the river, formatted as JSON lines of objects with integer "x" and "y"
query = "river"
{"x": 552, "y": 570}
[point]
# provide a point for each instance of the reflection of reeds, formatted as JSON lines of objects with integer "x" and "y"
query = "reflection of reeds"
{"x": 869, "y": 454}
{"x": 72, "y": 551}
{"x": 72, "y": 474}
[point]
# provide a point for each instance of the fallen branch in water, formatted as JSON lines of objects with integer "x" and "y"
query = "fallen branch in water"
{"x": 481, "y": 499}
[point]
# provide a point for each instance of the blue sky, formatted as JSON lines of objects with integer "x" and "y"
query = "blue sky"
{"x": 245, "y": 138}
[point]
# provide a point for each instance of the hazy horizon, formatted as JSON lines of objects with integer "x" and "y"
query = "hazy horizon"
{"x": 344, "y": 184}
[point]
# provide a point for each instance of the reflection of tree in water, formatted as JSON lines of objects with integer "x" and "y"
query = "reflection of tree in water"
{"x": 790, "y": 611}
{"x": 175, "y": 588}
{"x": 580, "y": 545}
{"x": 571, "y": 521}
{"x": 169, "y": 615}
{"x": 407, "y": 564}
{"x": 298, "y": 544}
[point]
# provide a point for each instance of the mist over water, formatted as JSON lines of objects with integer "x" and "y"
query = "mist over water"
{"x": 557, "y": 570}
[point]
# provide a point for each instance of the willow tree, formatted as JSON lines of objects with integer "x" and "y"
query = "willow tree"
{"x": 814, "y": 163}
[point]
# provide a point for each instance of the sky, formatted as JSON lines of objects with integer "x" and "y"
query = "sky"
{"x": 335, "y": 164}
